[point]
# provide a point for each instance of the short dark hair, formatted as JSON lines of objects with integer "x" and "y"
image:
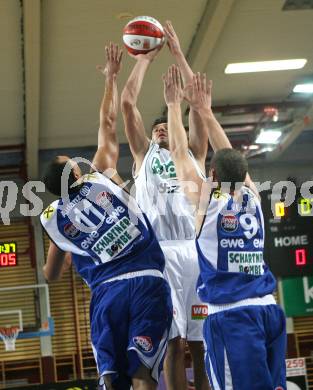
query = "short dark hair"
{"x": 158, "y": 121}
{"x": 53, "y": 174}
{"x": 230, "y": 166}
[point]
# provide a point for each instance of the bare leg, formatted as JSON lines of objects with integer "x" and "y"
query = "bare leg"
{"x": 142, "y": 379}
{"x": 105, "y": 383}
{"x": 197, "y": 354}
{"x": 174, "y": 365}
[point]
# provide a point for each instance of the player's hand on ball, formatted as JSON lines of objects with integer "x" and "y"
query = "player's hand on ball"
{"x": 113, "y": 60}
{"x": 150, "y": 56}
{"x": 172, "y": 38}
{"x": 199, "y": 93}
{"x": 173, "y": 92}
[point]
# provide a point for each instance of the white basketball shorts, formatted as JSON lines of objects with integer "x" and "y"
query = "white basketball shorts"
{"x": 181, "y": 272}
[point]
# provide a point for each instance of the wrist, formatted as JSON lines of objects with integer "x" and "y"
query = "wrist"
{"x": 204, "y": 111}
{"x": 143, "y": 59}
{"x": 110, "y": 76}
{"x": 178, "y": 54}
{"x": 173, "y": 104}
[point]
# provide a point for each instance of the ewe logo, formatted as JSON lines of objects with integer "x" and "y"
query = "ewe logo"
{"x": 229, "y": 223}
{"x": 144, "y": 343}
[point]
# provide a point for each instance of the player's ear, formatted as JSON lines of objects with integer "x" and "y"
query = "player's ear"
{"x": 212, "y": 174}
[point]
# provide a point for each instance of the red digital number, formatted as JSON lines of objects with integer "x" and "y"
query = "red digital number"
{"x": 300, "y": 257}
{"x": 12, "y": 259}
{"x": 4, "y": 259}
{"x": 7, "y": 259}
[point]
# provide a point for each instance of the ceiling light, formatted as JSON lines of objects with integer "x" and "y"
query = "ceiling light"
{"x": 303, "y": 88}
{"x": 265, "y": 66}
{"x": 254, "y": 147}
{"x": 268, "y": 137}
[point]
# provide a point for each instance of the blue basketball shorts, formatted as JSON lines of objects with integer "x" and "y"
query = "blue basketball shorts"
{"x": 245, "y": 348}
{"x": 130, "y": 321}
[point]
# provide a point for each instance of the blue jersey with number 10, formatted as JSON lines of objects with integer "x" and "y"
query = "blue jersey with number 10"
{"x": 230, "y": 249}
{"x": 104, "y": 229}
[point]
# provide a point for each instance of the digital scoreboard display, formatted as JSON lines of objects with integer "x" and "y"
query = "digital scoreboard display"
{"x": 8, "y": 254}
{"x": 288, "y": 235}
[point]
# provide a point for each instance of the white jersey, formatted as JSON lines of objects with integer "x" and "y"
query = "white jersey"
{"x": 160, "y": 197}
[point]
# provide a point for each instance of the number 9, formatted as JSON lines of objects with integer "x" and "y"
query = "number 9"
{"x": 250, "y": 224}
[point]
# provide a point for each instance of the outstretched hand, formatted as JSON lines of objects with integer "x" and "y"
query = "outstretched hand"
{"x": 113, "y": 60}
{"x": 173, "y": 92}
{"x": 150, "y": 56}
{"x": 199, "y": 93}
{"x": 172, "y": 38}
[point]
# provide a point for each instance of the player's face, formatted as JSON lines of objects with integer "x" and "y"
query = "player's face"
{"x": 76, "y": 170}
{"x": 160, "y": 135}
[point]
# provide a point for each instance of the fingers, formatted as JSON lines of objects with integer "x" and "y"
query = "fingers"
{"x": 170, "y": 29}
{"x": 113, "y": 53}
{"x": 201, "y": 84}
{"x": 120, "y": 56}
{"x": 166, "y": 32}
{"x": 198, "y": 81}
{"x": 170, "y": 75}
{"x": 173, "y": 77}
{"x": 209, "y": 87}
{"x": 107, "y": 53}
{"x": 177, "y": 77}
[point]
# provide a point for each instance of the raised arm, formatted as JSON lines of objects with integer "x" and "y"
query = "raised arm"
{"x": 108, "y": 148}
{"x": 199, "y": 96}
{"x": 185, "y": 169}
{"x": 198, "y": 135}
{"x": 134, "y": 127}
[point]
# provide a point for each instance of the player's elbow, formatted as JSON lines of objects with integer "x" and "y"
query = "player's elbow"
{"x": 49, "y": 276}
{"x": 127, "y": 101}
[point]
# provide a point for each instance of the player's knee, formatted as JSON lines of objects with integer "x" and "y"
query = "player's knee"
{"x": 142, "y": 378}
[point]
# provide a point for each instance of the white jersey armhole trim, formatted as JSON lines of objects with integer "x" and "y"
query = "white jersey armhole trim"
{"x": 135, "y": 176}
{"x": 198, "y": 169}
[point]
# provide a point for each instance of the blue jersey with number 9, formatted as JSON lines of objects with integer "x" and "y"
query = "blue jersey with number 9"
{"x": 230, "y": 248}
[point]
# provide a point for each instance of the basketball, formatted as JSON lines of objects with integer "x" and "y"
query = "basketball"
{"x": 142, "y": 34}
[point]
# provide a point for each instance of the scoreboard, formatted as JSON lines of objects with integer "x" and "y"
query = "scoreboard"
{"x": 8, "y": 254}
{"x": 288, "y": 234}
